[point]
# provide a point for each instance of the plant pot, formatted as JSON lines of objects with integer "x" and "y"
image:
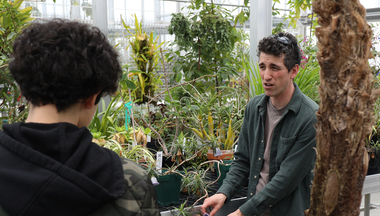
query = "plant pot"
{"x": 374, "y": 163}
{"x": 223, "y": 171}
{"x": 226, "y": 155}
{"x": 153, "y": 146}
{"x": 168, "y": 191}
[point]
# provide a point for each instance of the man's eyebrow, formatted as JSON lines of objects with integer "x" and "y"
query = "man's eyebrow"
{"x": 275, "y": 65}
{"x": 271, "y": 64}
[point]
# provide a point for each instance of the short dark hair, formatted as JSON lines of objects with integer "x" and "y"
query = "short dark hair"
{"x": 279, "y": 44}
{"x": 60, "y": 62}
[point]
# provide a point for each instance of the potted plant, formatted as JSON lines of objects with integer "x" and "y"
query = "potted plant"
{"x": 373, "y": 144}
{"x": 145, "y": 52}
{"x": 217, "y": 122}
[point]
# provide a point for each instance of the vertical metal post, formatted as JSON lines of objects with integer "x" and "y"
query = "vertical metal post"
{"x": 44, "y": 11}
{"x": 100, "y": 20}
{"x": 99, "y": 15}
{"x": 178, "y": 10}
{"x": 261, "y": 24}
{"x": 367, "y": 199}
{"x": 157, "y": 10}
{"x": 142, "y": 12}
{"x": 111, "y": 13}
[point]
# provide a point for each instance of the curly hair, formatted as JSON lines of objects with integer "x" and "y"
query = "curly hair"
{"x": 279, "y": 44}
{"x": 60, "y": 62}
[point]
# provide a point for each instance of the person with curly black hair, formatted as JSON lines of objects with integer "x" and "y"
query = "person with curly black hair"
{"x": 50, "y": 166}
{"x": 276, "y": 143}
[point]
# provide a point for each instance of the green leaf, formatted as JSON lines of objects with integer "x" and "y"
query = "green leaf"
{"x": 135, "y": 71}
{"x": 131, "y": 84}
{"x": 195, "y": 107}
{"x": 11, "y": 35}
{"x": 177, "y": 68}
{"x": 242, "y": 18}
{"x": 178, "y": 77}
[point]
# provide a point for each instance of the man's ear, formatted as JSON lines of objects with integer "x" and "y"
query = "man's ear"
{"x": 90, "y": 101}
{"x": 294, "y": 71}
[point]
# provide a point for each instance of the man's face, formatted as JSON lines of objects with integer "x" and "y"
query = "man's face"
{"x": 276, "y": 79}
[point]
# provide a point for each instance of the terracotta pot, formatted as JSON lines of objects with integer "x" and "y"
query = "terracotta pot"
{"x": 226, "y": 155}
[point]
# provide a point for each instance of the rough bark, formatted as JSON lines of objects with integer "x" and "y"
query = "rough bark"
{"x": 345, "y": 114}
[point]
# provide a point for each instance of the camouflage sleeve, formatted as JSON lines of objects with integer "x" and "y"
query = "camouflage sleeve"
{"x": 139, "y": 197}
{"x": 3, "y": 213}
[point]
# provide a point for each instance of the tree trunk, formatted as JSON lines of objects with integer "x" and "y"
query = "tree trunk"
{"x": 345, "y": 113}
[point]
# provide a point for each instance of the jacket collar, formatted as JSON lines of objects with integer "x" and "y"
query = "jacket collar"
{"x": 294, "y": 104}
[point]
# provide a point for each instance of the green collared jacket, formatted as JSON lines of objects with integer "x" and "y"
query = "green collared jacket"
{"x": 292, "y": 158}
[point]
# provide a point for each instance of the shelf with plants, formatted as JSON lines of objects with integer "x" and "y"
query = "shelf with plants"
{"x": 13, "y": 107}
{"x": 201, "y": 106}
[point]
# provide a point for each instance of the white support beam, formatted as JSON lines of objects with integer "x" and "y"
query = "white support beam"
{"x": 100, "y": 20}
{"x": 99, "y": 15}
{"x": 157, "y": 10}
{"x": 261, "y": 24}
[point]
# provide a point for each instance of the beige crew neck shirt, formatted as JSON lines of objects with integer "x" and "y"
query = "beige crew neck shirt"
{"x": 272, "y": 117}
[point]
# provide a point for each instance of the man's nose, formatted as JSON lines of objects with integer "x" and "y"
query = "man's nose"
{"x": 267, "y": 74}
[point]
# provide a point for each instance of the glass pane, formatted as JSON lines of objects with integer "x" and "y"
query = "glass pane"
{"x": 370, "y": 3}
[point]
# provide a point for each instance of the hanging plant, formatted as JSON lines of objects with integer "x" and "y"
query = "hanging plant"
{"x": 145, "y": 52}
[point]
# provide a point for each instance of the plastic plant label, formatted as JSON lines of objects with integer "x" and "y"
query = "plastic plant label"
{"x": 154, "y": 181}
{"x": 217, "y": 152}
{"x": 159, "y": 162}
{"x": 184, "y": 144}
{"x": 148, "y": 138}
{"x": 235, "y": 151}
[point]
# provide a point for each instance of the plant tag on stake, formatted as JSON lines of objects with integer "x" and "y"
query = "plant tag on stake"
{"x": 184, "y": 144}
{"x": 159, "y": 162}
{"x": 235, "y": 150}
{"x": 154, "y": 181}
{"x": 148, "y": 138}
{"x": 217, "y": 152}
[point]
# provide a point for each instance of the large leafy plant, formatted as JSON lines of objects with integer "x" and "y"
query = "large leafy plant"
{"x": 12, "y": 20}
{"x": 205, "y": 40}
{"x": 145, "y": 52}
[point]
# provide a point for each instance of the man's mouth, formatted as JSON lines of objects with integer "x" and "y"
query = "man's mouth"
{"x": 268, "y": 84}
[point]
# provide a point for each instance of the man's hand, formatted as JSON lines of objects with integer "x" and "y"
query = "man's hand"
{"x": 236, "y": 213}
{"x": 216, "y": 201}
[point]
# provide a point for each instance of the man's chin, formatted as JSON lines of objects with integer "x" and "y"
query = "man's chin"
{"x": 268, "y": 93}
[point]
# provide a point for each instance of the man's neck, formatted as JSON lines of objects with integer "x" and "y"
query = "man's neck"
{"x": 280, "y": 101}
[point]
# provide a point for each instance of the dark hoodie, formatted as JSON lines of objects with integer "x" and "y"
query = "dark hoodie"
{"x": 55, "y": 169}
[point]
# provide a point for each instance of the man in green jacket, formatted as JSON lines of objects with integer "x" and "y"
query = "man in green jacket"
{"x": 275, "y": 147}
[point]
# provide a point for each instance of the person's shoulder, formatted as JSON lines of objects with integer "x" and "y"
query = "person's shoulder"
{"x": 133, "y": 172}
{"x": 139, "y": 196}
{"x": 309, "y": 103}
{"x": 257, "y": 100}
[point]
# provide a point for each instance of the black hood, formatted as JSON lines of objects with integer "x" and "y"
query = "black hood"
{"x": 55, "y": 169}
